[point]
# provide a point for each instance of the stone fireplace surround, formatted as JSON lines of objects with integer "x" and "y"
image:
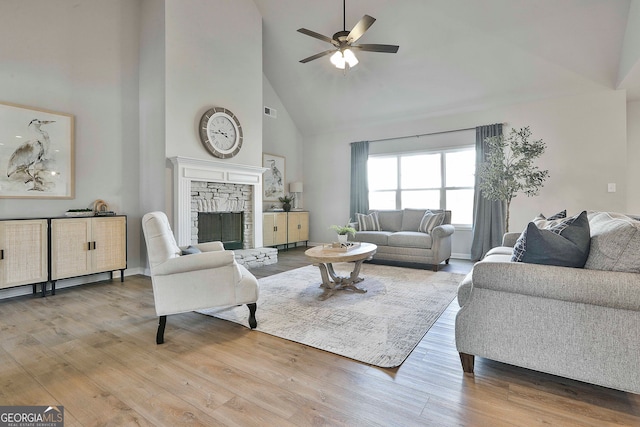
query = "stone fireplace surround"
{"x": 190, "y": 176}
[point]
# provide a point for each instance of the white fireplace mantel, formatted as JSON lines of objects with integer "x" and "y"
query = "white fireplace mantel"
{"x": 186, "y": 170}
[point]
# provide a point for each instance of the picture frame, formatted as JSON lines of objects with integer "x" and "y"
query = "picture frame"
{"x": 37, "y": 153}
{"x": 274, "y": 177}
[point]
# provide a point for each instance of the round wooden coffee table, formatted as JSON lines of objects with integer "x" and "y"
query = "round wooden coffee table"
{"x": 324, "y": 258}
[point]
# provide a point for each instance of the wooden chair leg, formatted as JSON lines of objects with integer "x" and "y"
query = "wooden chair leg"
{"x": 161, "y": 324}
{"x": 467, "y": 362}
{"x": 252, "y": 315}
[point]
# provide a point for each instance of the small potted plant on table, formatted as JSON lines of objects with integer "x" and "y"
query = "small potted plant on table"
{"x": 343, "y": 231}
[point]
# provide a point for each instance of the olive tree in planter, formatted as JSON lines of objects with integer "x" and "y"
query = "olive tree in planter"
{"x": 509, "y": 167}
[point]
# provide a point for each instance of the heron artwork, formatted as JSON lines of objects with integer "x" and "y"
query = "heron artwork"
{"x": 27, "y": 161}
{"x": 273, "y": 180}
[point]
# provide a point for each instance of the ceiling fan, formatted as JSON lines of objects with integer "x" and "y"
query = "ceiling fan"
{"x": 342, "y": 55}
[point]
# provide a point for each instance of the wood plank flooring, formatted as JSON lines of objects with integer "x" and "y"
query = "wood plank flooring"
{"x": 92, "y": 349}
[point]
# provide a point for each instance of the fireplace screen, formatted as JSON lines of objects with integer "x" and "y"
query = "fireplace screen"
{"x": 226, "y": 227}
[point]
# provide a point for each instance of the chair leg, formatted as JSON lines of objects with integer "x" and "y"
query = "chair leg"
{"x": 161, "y": 324}
{"x": 252, "y": 315}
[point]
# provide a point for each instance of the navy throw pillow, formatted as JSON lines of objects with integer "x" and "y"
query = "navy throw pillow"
{"x": 565, "y": 245}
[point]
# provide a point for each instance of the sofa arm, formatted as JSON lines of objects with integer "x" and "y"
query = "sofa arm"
{"x": 596, "y": 287}
{"x": 201, "y": 261}
{"x": 443, "y": 230}
{"x": 509, "y": 239}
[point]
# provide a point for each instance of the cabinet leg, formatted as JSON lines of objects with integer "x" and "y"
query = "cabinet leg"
{"x": 43, "y": 289}
{"x": 53, "y": 287}
{"x": 122, "y": 275}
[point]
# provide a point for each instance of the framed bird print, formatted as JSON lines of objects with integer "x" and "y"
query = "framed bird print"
{"x": 274, "y": 177}
{"x": 37, "y": 158}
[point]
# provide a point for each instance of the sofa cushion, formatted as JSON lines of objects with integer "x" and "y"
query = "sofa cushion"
{"x": 390, "y": 220}
{"x": 380, "y": 238}
{"x": 368, "y": 222}
{"x": 566, "y": 244}
{"x": 615, "y": 242}
{"x": 410, "y": 239}
{"x": 411, "y": 219}
{"x": 430, "y": 220}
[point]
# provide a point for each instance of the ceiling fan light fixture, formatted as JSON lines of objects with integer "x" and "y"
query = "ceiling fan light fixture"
{"x": 350, "y": 58}
{"x": 343, "y": 57}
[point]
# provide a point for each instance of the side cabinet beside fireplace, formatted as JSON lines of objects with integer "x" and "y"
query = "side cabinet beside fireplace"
{"x": 297, "y": 227}
{"x": 274, "y": 228}
{"x": 82, "y": 246}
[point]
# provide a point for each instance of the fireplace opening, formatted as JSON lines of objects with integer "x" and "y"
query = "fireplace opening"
{"x": 226, "y": 227}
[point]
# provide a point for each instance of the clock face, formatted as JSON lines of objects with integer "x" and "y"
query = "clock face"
{"x": 221, "y": 133}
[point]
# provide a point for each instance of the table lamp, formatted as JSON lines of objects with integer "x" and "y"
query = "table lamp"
{"x": 295, "y": 188}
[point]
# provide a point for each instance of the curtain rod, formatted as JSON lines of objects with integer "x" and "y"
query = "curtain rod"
{"x": 426, "y": 134}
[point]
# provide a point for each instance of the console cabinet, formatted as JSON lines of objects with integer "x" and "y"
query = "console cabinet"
{"x": 284, "y": 228}
{"x": 274, "y": 225}
{"x": 81, "y": 246}
{"x": 38, "y": 251}
{"x": 297, "y": 227}
{"x": 23, "y": 252}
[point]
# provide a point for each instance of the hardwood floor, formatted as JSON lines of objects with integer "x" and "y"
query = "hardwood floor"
{"x": 92, "y": 349}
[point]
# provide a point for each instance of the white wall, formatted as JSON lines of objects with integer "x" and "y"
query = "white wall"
{"x": 586, "y": 149}
{"x": 281, "y": 137}
{"x": 633, "y": 157}
{"x": 213, "y": 59}
{"x": 58, "y": 56}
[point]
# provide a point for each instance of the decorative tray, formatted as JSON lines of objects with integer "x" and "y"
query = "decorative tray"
{"x": 340, "y": 247}
{"x": 78, "y": 214}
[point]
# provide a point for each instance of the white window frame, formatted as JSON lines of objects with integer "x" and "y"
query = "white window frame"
{"x": 443, "y": 188}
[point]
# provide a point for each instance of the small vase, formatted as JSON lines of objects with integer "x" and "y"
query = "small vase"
{"x": 286, "y": 207}
{"x": 342, "y": 238}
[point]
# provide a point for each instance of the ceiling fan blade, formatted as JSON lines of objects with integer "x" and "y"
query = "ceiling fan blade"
{"x": 385, "y": 48}
{"x": 318, "y": 36}
{"x": 360, "y": 28}
{"x": 317, "y": 55}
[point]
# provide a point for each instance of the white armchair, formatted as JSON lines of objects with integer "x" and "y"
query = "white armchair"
{"x": 182, "y": 283}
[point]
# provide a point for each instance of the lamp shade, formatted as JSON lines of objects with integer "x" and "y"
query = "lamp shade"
{"x": 295, "y": 187}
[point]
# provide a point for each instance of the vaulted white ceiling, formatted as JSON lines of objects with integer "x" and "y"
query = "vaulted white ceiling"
{"x": 454, "y": 55}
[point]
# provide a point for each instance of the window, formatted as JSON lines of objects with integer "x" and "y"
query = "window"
{"x": 438, "y": 179}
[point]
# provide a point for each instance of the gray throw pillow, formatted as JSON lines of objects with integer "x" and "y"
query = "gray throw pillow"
{"x": 430, "y": 221}
{"x": 368, "y": 222}
{"x": 190, "y": 250}
{"x": 541, "y": 222}
{"x": 566, "y": 244}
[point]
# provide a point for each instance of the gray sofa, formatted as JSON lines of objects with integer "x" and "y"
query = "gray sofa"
{"x": 579, "y": 323}
{"x": 400, "y": 240}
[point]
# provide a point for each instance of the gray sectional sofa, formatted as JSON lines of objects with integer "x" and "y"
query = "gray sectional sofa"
{"x": 399, "y": 238}
{"x": 579, "y": 323}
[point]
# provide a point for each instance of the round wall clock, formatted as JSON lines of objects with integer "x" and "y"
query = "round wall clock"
{"x": 220, "y": 132}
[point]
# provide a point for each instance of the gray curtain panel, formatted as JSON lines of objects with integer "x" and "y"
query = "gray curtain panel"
{"x": 359, "y": 185}
{"x": 488, "y": 215}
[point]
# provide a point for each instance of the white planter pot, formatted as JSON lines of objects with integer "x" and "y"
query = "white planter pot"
{"x": 342, "y": 238}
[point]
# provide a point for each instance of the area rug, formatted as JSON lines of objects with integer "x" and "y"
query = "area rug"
{"x": 380, "y": 327}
